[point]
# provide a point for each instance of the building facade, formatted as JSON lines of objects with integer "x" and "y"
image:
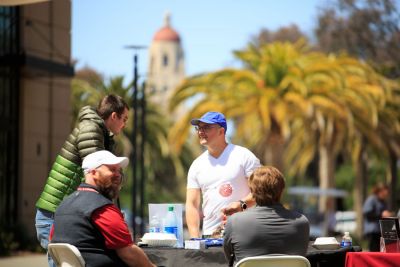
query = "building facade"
{"x": 35, "y": 88}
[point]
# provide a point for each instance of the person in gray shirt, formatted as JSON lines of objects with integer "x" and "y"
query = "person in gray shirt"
{"x": 375, "y": 207}
{"x": 267, "y": 228}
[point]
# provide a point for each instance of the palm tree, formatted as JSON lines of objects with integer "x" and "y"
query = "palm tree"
{"x": 389, "y": 130}
{"x": 378, "y": 135}
{"x": 166, "y": 169}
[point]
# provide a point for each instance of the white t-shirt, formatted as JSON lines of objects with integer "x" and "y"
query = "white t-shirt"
{"x": 222, "y": 180}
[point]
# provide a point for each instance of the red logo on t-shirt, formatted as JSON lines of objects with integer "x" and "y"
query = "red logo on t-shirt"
{"x": 225, "y": 190}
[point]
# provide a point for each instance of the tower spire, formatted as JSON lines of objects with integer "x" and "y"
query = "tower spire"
{"x": 167, "y": 19}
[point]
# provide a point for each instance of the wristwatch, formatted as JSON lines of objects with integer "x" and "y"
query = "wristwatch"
{"x": 243, "y": 204}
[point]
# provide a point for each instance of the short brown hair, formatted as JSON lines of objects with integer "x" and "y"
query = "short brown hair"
{"x": 110, "y": 104}
{"x": 266, "y": 184}
{"x": 378, "y": 187}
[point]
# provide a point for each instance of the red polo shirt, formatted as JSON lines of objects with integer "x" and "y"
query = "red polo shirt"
{"x": 110, "y": 222}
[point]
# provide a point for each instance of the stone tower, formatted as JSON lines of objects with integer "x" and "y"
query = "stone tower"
{"x": 166, "y": 64}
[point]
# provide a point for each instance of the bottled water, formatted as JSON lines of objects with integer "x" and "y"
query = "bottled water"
{"x": 346, "y": 240}
{"x": 155, "y": 226}
{"x": 171, "y": 225}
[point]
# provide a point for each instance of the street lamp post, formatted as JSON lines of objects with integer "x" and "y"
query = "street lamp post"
{"x": 133, "y": 158}
{"x": 141, "y": 158}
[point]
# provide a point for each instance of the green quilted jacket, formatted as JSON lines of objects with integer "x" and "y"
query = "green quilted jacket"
{"x": 66, "y": 174}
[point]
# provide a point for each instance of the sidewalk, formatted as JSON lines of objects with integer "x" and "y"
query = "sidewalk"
{"x": 28, "y": 260}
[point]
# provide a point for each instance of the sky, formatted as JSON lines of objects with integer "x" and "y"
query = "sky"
{"x": 209, "y": 30}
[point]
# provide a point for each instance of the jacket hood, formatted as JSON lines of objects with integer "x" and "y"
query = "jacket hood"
{"x": 89, "y": 113}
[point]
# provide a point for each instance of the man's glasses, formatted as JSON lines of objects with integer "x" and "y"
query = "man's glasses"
{"x": 206, "y": 128}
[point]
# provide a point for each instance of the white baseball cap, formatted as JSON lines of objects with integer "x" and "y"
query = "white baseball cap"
{"x": 102, "y": 157}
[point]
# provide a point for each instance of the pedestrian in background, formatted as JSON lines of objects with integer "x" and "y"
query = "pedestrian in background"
{"x": 375, "y": 207}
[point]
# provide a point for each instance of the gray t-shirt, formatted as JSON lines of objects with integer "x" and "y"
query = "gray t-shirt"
{"x": 266, "y": 230}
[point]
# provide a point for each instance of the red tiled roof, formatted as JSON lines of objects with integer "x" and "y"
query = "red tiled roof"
{"x": 166, "y": 33}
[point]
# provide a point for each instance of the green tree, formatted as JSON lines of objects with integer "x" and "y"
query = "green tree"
{"x": 290, "y": 33}
{"x": 366, "y": 29}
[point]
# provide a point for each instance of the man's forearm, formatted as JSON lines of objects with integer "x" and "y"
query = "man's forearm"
{"x": 193, "y": 221}
{"x": 133, "y": 256}
{"x": 236, "y": 205}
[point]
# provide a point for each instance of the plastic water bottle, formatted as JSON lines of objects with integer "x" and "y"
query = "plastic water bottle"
{"x": 346, "y": 240}
{"x": 155, "y": 226}
{"x": 171, "y": 224}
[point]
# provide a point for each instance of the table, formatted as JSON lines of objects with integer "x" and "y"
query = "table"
{"x": 171, "y": 257}
{"x": 378, "y": 259}
{"x": 214, "y": 257}
{"x": 329, "y": 258}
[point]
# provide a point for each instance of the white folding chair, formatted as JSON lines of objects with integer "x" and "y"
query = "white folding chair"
{"x": 274, "y": 261}
{"x": 65, "y": 255}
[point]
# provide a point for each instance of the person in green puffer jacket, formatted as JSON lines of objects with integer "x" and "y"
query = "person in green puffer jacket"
{"x": 94, "y": 131}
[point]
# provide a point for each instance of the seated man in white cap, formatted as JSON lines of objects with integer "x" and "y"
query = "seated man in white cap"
{"x": 89, "y": 220}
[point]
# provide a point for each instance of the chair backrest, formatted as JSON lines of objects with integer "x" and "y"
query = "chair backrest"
{"x": 274, "y": 261}
{"x": 66, "y": 255}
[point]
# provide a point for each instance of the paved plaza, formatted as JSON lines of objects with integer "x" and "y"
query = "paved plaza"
{"x": 25, "y": 260}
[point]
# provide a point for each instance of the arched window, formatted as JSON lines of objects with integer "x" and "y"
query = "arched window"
{"x": 165, "y": 60}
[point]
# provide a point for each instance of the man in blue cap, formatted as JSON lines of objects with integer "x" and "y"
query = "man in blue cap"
{"x": 217, "y": 178}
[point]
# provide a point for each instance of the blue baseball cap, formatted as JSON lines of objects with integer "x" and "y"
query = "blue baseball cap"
{"x": 211, "y": 117}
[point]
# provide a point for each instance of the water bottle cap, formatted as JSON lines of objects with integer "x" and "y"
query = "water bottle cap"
{"x": 170, "y": 208}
